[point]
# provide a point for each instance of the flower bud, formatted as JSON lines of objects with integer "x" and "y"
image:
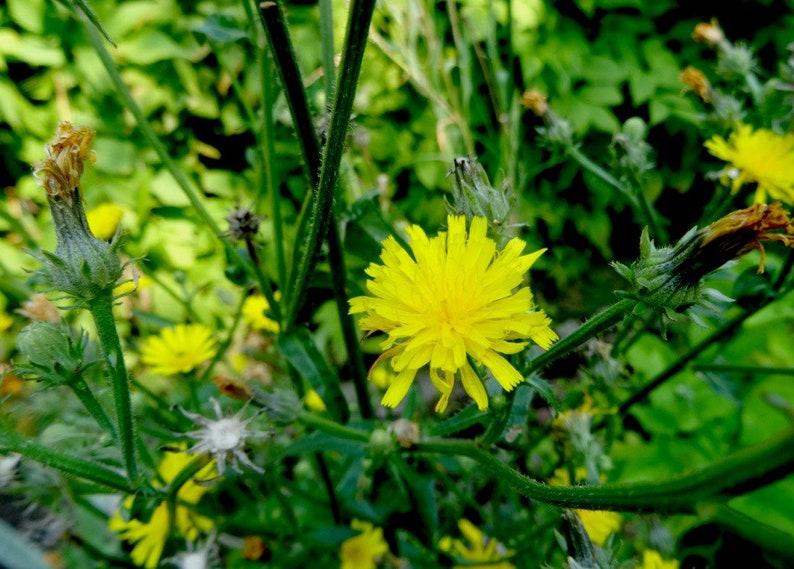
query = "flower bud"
{"x": 83, "y": 267}
{"x": 281, "y": 406}
{"x": 473, "y": 195}
{"x": 56, "y": 358}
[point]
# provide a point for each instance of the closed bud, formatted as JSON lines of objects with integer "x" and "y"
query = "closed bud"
{"x": 473, "y": 195}
{"x": 56, "y": 357}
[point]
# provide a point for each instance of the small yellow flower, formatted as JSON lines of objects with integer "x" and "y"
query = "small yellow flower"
{"x": 149, "y": 537}
{"x": 453, "y": 300}
{"x": 179, "y": 349}
{"x": 5, "y": 321}
{"x": 254, "y": 309}
{"x": 314, "y": 402}
{"x": 479, "y": 549}
{"x": 382, "y": 376}
{"x": 363, "y": 551}
{"x": 761, "y": 156}
{"x": 598, "y": 524}
{"x": 653, "y": 560}
{"x": 103, "y": 220}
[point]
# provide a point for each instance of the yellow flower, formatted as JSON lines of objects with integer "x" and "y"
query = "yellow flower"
{"x": 382, "y": 376}
{"x": 179, "y": 349}
{"x": 760, "y": 156}
{"x": 314, "y": 402}
{"x": 598, "y": 524}
{"x": 5, "y": 321}
{"x": 103, "y": 220}
{"x": 653, "y": 560}
{"x": 254, "y": 309}
{"x": 365, "y": 549}
{"x": 149, "y": 537}
{"x": 480, "y": 549}
{"x": 452, "y": 300}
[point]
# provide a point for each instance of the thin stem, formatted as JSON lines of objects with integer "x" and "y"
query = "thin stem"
{"x": 86, "y": 397}
{"x": 333, "y": 428}
{"x": 101, "y": 309}
{"x": 754, "y": 370}
{"x": 597, "y": 324}
{"x": 328, "y": 482}
{"x": 356, "y": 40}
{"x": 179, "y": 176}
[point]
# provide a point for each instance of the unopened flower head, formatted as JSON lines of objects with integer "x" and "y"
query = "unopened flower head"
{"x": 557, "y": 132}
{"x": 364, "y": 550}
{"x": 761, "y": 156}
{"x": 82, "y": 267}
{"x": 473, "y": 195}
{"x": 224, "y": 438}
{"x": 243, "y": 224}
{"x": 671, "y": 277}
{"x": 695, "y": 80}
{"x": 179, "y": 349}
{"x": 478, "y": 550}
{"x": 456, "y": 298}
{"x": 709, "y": 33}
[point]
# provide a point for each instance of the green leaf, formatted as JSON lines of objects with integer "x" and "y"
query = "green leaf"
{"x": 149, "y": 46}
{"x": 302, "y": 354}
{"x": 322, "y": 442}
{"x": 17, "y": 552}
{"x": 83, "y": 6}
{"x": 33, "y": 50}
{"x": 28, "y": 14}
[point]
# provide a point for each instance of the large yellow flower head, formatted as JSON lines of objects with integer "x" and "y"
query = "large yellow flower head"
{"x": 454, "y": 299}
{"x": 760, "y": 156}
{"x": 179, "y": 349}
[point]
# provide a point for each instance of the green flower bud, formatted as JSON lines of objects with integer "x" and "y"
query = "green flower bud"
{"x": 381, "y": 442}
{"x": 473, "y": 195}
{"x": 82, "y": 267}
{"x": 56, "y": 357}
{"x": 281, "y": 406}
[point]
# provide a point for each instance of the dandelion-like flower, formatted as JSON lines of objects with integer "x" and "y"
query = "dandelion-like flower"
{"x": 179, "y": 349}
{"x": 479, "y": 551}
{"x": 761, "y": 156}
{"x": 224, "y": 437}
{"x": 254, "y": 309}
{"x": 150, "y": 536}
{"x": 452, "y": 300}
{"x": 365, "y": 549}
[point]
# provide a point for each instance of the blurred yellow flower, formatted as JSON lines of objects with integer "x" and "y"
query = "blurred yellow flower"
{"x": 653, "y": 560}
{"x": 760, "y": 156}
{"x": 382, "y": 376}
{"x": 149, "y": 537}
{"x": 179, "y": 349}
{"x": 481, "y": 552}
{"x": 364, "y": 550}
{"x": 452, "y": 300}
{"x": 103, "y": 220}
{"x": 314, "y": 402}
{"x": 5, "y": 321}
{"x": 254, "y": 309}
{"x": 598, "y": 524}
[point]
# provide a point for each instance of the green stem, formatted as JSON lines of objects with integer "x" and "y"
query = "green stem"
{"x": 322, "y": 211}
{"x": 86, "y": 397}
{"x": 597, "y": 324}
{"x": 769, "y": 538}
{"x": 333, "y": 428}
{"x": 730, "y": 368}
{"x": 327, "y": 45}
{"x": 74, "y": 466}
{"x": 101, "y": 309}
{"x": 740, "y": 472}
{"x": 165, "y": 158}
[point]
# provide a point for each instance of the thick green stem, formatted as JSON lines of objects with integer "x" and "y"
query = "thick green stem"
{"x": 333, "y": 428}
{"x": 597, "y": 324}
{"x": 740, "y": 472}
{"x": 770, "y": 538}
{"x": 74, "y": 466}
{"x": 101, "y": 309}
{"x": 322, "y": 207}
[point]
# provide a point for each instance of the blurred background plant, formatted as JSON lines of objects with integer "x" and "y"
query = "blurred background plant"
{"x": 594, "y": 114}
